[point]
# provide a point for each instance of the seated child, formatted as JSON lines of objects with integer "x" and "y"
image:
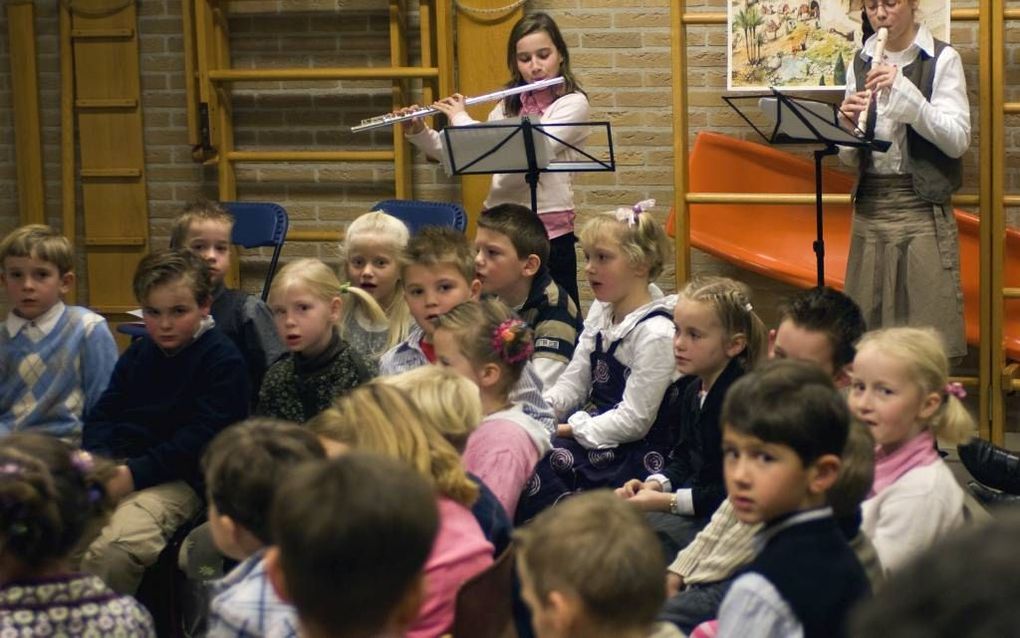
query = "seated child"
{"x": 487, "y": 344}
{"x": 450, "y": 404}
{"x": 718, "y": 338}
{"x": 244, "y": 466}
{"x": 205, "y": 229}
{"x": 381, "y": 419}
{"x": 608, "y": 398}
{"x": 49, "y": 493}
{"x": 819, "y": 326}
{"x": 900, "y": 389}
{"x": 55, "y": 360}
{"x": 169, "y": 395}
{"x": 371, "y": 255}
{"x": 785, "y": 427}
{"x": 590, "y": 568}
{"x": 438, "y": 271}
{"x": 306, "y": 304}
{"x": 352, "y": 536}
{"x": 512, "y": 254}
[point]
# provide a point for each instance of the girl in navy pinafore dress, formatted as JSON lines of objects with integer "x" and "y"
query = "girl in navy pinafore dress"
{"x": 608, "y": 399}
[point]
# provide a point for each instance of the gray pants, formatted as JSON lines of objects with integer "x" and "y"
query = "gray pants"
{"x": 695, "y": 605}
{"x": 674, "y": 532}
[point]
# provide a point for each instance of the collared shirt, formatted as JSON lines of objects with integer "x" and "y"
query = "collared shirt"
{"x": 245, "y": 605}
{"x": 44, "y": 322}
{"x": 945, "y": 120}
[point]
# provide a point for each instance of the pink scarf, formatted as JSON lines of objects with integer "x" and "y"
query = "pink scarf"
{"x": 536, "y": 102}
{"x": 917, "y": 452}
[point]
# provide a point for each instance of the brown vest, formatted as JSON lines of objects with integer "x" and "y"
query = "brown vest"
{"x": 936, "y": 176}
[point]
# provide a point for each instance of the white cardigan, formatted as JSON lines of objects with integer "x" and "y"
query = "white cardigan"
{"x": 913, "y": 513}
{"x": 554, "y": 189}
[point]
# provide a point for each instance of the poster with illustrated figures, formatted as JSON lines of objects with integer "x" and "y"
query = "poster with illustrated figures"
{"x": 804, "y": 44}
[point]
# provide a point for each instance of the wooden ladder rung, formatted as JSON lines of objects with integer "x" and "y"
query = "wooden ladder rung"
{"x": 324, "y": 73}
{"x": 95, "y": 34}
{"x": 93, "y": 173}
{"x": 310, "y": 156}
{"x": 336, "y": 236}
{"x": 115, "y": 241}
{"x": 108, "y": 103}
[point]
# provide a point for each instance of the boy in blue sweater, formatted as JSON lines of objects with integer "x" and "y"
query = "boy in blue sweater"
{"x": 170, "y": 394}
{"x": 55, "y": 360}
{"x": 784, "y": 428}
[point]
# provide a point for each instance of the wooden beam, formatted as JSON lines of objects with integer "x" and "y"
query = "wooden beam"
{"x": 27, "y": 129}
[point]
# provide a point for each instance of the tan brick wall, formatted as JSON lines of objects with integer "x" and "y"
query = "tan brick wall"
{"x": 620, "y": 50}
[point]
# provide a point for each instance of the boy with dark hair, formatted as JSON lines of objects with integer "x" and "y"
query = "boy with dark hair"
{"x": 438, "y": 271}
{"x": 169, "y": 395}
{"x": 784, "y": 428}
{"x": 55, "y": 360}
{"x": 589, "y": 568}
{"x": 244, "y": 466}
{"x": 205, "y": 228}
{"x": 512, "y": 250}
{"x": 352, "y": 536}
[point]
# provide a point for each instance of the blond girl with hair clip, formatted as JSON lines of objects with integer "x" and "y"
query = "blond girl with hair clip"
{"x": 49, "y": 494}
{"x": 900, "y": 388}
{"x": 608, "y": 398}
{"x": 371, "y": 256}
{"x": 489, "y": 345}
{"x": 306, "y": 302}
{"x": 718, "y": 338}
{"x": 450, "y": 404}
{"x": 381, "y": 419}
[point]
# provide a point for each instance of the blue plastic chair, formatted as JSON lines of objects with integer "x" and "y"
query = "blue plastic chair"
{"x": 418, "y": 214}
{"x": 258, "y": 224}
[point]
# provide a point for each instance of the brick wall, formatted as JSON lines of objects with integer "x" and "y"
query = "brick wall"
{"x": 620, "y": 50}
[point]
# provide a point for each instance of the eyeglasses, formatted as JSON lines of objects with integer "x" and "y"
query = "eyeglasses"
{"x": 888, "y": 4}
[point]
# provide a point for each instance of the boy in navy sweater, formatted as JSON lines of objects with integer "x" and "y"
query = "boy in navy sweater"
{"x": 169, "y": 395}
{"x": 784, "y": 428}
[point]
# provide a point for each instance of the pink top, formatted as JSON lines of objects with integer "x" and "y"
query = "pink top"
{"x": 460, "y": 552}
{"x": 503, "y": 455}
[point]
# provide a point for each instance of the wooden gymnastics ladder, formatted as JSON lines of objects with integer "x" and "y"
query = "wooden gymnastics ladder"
{"x": 993, "y": 376}
{"x": 209, "y": 77}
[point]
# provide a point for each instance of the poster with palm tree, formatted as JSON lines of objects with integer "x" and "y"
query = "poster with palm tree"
{"x": 804, "y": 44}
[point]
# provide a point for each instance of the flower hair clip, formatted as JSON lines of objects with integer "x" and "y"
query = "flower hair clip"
{"x": 11, "y": 468}
{"x": 83, "y": 462}
{"x": 630, "y": 215}
{"x": 504, "y": 335}
{"x": 956, "y": 389}
{"x": 748, "y": 307}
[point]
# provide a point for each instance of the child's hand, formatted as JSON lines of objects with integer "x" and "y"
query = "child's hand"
{"x": 630, "y": 488}
{"x": 450, "y": 106}
{"x": 563, "y": 430}
{"x": 852, "y": 107}
{"x": 674, "y": 583}
{"x": 414, "y": 125}
{"x": 651, "y": 501}
{"x": 881, "y": 76}
{"x": 121, "y": 484}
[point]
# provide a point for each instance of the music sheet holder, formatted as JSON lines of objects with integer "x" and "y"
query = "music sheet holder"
{"x": 807, "y": 121}
{"x": 518, "y": 145}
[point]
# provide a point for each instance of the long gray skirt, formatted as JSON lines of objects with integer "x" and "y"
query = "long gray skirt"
{"x": 904, "y": 264}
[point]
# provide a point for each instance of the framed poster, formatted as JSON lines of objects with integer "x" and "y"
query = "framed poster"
{"x": 803, "y": 44}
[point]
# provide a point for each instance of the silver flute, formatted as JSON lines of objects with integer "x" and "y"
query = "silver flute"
{"x": 386, "y": 120}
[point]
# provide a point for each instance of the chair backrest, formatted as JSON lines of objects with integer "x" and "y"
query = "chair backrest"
{"x": 259, "y": 224}
{"x": 419, "y": 214}
{"x": 484, "y": 607}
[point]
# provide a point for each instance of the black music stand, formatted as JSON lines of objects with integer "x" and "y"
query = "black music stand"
{"x": 518, "y": 146}
{"x": 807, "y": 121}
